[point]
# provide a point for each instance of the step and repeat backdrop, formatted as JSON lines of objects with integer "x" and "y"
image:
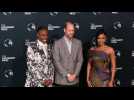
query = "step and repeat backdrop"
{"x": 17, "y": 29}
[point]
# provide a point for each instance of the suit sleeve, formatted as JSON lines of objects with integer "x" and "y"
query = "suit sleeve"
{"x": 79, "y": 60}
{"x": 57, "y": 59}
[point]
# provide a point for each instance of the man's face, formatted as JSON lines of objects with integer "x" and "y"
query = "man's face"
{"x": 69, "y": 30}
{"x": 42, "y": 35}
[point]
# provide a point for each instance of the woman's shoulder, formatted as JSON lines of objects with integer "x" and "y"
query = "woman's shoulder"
{"x": 110, "y": 49}
{"x": 92, "y": 48}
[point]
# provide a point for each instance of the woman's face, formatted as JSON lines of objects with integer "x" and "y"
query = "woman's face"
{"x": 101, "y": 39}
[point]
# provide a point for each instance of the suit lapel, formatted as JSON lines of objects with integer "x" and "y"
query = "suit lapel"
{"x": 73, "y": 50}
{"x": 40, "y": 50}
{"x": 73, "y": 47}
{"x": 65, "y": 46}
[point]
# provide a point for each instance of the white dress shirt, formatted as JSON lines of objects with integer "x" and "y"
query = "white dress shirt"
{"x": 43, "y": 46}
{"x": 69, "y": 44}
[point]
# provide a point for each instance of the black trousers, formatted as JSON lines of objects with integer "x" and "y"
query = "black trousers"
{"x": 58, "y": 85}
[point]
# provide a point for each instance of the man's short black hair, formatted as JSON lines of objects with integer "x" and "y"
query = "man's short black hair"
{"x": 40, "y": 28}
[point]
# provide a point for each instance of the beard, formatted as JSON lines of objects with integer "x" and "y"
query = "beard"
{"x": 70, "y": 36}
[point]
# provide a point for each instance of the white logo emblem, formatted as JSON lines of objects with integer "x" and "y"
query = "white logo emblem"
{"x": 8, "y": 43}
{"x": 29, "y": 13}
{"x": 31, "y": 27}
{"x": 53, "y": 13}
{"x": 6, "y": 59}
{"x": 115, "y": 40}
{"x": 96, "y": 13}
{"x": 6, "y": 13}
{"x": 94, "y": 27}
{"x": 8, "y": 73}
{"x": 52, "y": 27}
{"x": 117, "y": 25}
{"x": 4, "y": 27}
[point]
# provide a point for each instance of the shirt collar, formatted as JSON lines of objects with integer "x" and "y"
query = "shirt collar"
{"x": 40, "y": 43}
{"x": 66, "y": 39}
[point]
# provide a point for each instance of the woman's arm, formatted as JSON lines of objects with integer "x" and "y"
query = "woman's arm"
{"x": 89, "y": 73}
{"x": 113, "y": 65}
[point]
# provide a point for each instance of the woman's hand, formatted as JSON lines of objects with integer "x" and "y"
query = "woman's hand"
{"x": 110, "y": 84}
{"x": 89, "y": 83}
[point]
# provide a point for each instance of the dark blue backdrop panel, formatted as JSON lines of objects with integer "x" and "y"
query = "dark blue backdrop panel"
{"x": 17, "y": 29}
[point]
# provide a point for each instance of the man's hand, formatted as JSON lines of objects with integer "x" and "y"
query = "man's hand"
{"x": 71, "y": 77}
{"x": 47, "y": 82}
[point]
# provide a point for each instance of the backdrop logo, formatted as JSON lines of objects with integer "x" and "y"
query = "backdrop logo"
{"x": 29, "y": 13}
{"x": 73, "y": 13}
{"x": 53, "y": 27}
{"x": 96, "y": 13}
{"x": 118, "y": 82}
{"x": 119, "y": 68}
{"x": 93, "y": 41}
{"x": 77, "y": 26}
{"x": 118, "y": 53}
{"x": 5, "y": 27}
{"x": 115, "y": 12}
{"x": 6, "y": 13}
{"x": 94, "y": 26}
{"x": 132, "y": 54}
{"x": 132, "y": 82}
{"x": 115, "y": 40}
{"x": 31, "y": 27}
{"x": 8, "y": 43}
{"x": 132, "y": 24}
{"x": 117, "y": 25}
{"x": 8, "y": 73}
{"x": 6, "y": 59}
{"x": 28, "y": 42}
{"x": 53, "y": 13}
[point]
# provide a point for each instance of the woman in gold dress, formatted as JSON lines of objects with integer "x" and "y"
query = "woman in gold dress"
{"x": 101, "y": 64}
